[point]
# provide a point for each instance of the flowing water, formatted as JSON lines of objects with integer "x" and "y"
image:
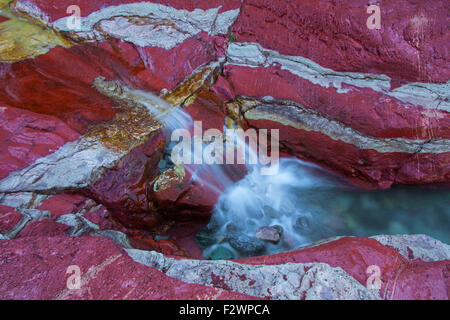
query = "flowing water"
{"x": 311, "y": 204}
{"x": 174, "y": 118}
{"x": 304, "y": 203}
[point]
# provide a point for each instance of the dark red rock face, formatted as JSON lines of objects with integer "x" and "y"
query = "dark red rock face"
{"x": 26, "y": 136}
{"x": 371, "y": 105}
{"x": 411, "y": 45}
{"x": 47, "y": 227}
{"x": 355, "y": 255}
{"x": 62, "y": 204}
{"x": 124, "y": 189}
{"x": 364, "y": 110}
{"x": 8, "y": 218}
{"x": 105, "y": 268}
{"x": 67, "y": 75}
{"x": 367, "y": 168}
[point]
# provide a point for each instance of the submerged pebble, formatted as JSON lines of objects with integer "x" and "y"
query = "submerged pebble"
{"x": 221, "y": 253}
{"x": 268, "y": 234}
{"x": 248, "y": 246}
{"x": 205, "y": 238}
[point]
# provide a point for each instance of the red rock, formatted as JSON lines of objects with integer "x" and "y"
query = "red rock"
{"x": 124, "y": 189}
{"x": 167, "y": 197}
{"x": 420, "y": 281}
{"x": 154, "y": 69}
{"x": 8, "y": 218}
{"x": 218, "y": 42}
{"x": 43, "y": 228}
{"x": 364, "y": 110}
{"x": 200, "y": 196}
{"x": 67, "y": 75}
{"x": 366, "y": 168}
{"x": 25, "y": 81}
{"x": 107, "y": 272}
{"x": 355, "y": 255}
{"x": 209, "y": 109}
{"x": 425, "y": 168}
{"x": 103, "y": 218}
{"x": 223, "y": 89}
{"x": 170, "y": 247}
{"x": 189, "y": 245}
{"x": 194, "y": 199}
{"x": 61, "y": 204}
{"x": 141, "y": 240}
{"x": 334, "y": 34}
{"x": 186, "y": 200}
{"x": 26, "y": 136}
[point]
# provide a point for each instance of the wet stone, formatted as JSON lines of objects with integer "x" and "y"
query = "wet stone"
{"x": 205, "y": 238}
{"x": 268, "y": 234}
{"x": 231, "y": 227}
{"x": 279, "y": 229}
{"x": 248, "y": 246}
{"x": 221, "y": 253}
{"x": 302, "y": 225}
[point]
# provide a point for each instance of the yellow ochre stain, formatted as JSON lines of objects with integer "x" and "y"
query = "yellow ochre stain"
{"x": 21, "y": 38}
{"x": 185, "y": 92}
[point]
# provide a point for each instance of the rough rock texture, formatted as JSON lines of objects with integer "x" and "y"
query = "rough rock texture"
{"x": 286, "y": 281}
{"x": 61, "y": 204}
{"x": 8, "y": 219}
{"x": 81, "y": 171}
{"x": 107, "y": 272}
{"x": 310, "y": 273}
{"x": 418, "y": 246}
{"x": 124, "y": 187}
{"x": 387, "y": 83}
{"x": 355, "y": 255}
{"x": 27, "y": 136}
{"x": 410, "y": 46}
{"x": 377, "y": 85}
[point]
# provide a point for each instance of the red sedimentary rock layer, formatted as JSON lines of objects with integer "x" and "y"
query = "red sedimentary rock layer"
{"x": 401, "y": 278}
{"x": 363, "y": 109}
{"x": 26, "y": 136}
{"x": 366, "y": 167}
{"x": 107, "y": 272}
{"x": 60, "y": 82}
{"x": 48, "y": 101}
{"x": 411, "y": 45}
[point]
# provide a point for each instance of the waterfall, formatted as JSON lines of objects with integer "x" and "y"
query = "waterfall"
{"x": 302, "y": 201}
{"x": 257, "y": 199}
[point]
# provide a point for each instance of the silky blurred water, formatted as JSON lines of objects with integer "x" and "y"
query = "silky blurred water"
{"x": 311, "y": 204}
